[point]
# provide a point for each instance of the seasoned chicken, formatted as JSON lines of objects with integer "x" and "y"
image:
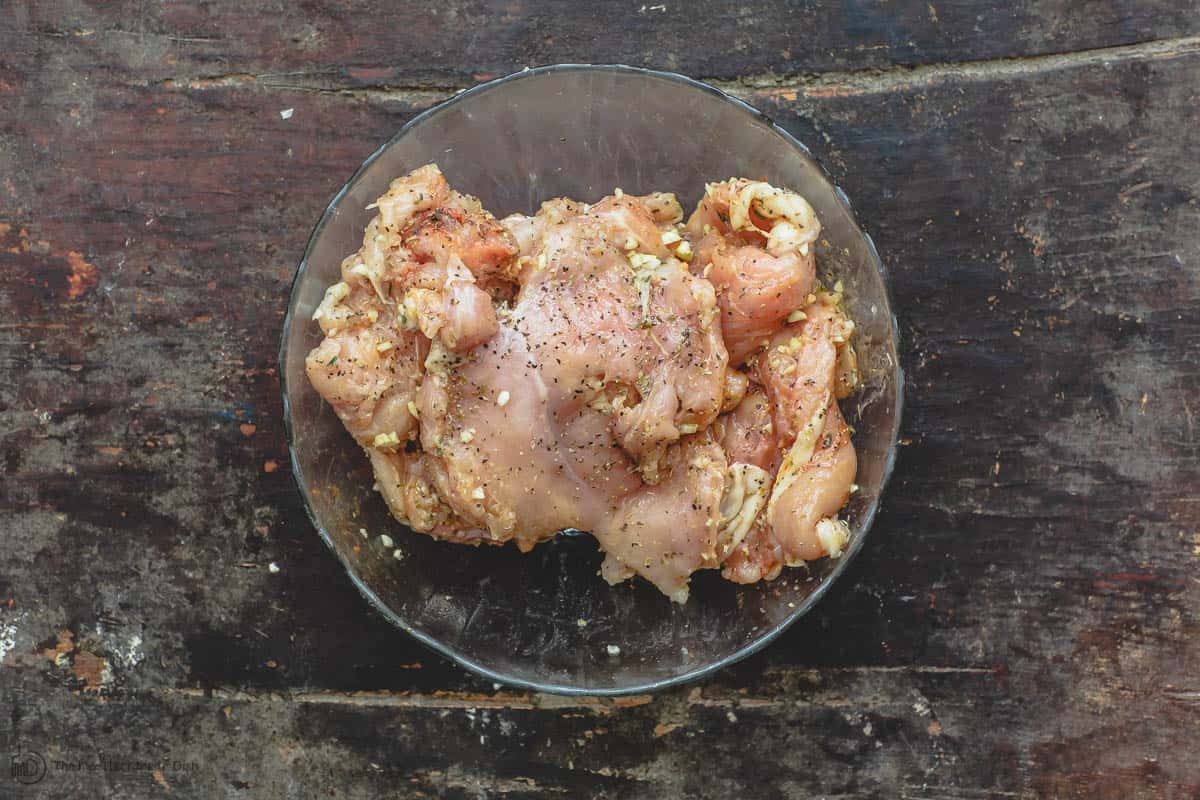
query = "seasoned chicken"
{"x": 567, "y": 418}
{"x": 800, "y": 372}
{"x": 408, "y": 283}
{"x": 368, "y": 367}
{"x": 754, "y": 247}
{"x": 576, "y": 369}
{"x": 747, "y": 433}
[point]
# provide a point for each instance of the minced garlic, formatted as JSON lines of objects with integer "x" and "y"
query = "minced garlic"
{"x": 644, "y": 260}
{"x": 334, "y": 295}
{"x": 386, "y": 439}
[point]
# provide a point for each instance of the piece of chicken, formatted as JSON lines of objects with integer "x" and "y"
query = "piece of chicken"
{"x": 571, "y": 415}
{"x": 413, "y": 279}
{"x": 747, "y": 433}
{"x": 604, "y": 303}
{"x": 668, "y": 531}
{"x": 406, "y": 482}
{"x": 368, "y": 367}
{"x": 437, "y": 254}
{"x": 753, "y": 245}
{"x": 802, "y": 375}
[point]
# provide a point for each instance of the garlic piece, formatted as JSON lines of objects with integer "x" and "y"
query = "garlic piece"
{"x": 334, "y": 295}
{"x": 745, "y": 496}
{"x": 834, "y": 535}
{"x": 796, "y": 226}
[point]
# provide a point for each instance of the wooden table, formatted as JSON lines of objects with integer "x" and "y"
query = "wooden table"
{"x": 1025, "y": 618}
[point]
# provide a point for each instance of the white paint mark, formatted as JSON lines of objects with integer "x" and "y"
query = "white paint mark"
{"x": 8, "y": 636}
{"x": 287, "y": 113}
{"x": 128, "y": 652}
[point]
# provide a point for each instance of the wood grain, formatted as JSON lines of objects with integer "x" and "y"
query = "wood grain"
{"x": 1024, "y": 619}
{"x": 324, "y": 44}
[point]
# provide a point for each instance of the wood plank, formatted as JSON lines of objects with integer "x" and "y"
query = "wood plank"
{"x": 896, "y": 734}
{"x": 454, "y": 43}
{"x": 1030, "y": 586}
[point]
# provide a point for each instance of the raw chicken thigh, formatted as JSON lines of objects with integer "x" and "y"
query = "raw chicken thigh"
{"x": 672, "y": 389}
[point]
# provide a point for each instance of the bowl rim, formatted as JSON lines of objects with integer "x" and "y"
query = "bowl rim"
{"x": 762, "y": 639}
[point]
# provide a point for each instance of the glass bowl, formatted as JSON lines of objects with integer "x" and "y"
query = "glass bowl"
{"x": 545, "y": 620}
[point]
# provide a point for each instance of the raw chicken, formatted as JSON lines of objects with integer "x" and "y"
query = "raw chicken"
{"x": 596, "y": 367}
{"x": 754, "y": 246}
{"x": 411, "y": 273}
{"x": 570, "y": 417}
{"x": 802, "y": 373}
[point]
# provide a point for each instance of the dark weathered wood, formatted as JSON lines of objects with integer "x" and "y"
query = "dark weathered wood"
{"x": 1023, "y": 622}
{"x": 379, "y": 44}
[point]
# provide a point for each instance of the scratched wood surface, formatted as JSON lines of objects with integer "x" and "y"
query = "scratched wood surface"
{"x": 1025, "y": 619}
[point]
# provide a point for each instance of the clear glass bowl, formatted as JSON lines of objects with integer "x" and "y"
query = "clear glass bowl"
{"x": 545, "y": 620}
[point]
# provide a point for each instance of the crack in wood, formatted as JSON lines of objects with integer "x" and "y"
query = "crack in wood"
{"x": 788, "y": 87}
{"x": 84, "y": 33}
{"x": 438, "y": 700}
{"x": 1190, "y": 696}
{"x": 900, "y": 77}
{"x": 917, "y": 669}
{"x": 533, "y": 701}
